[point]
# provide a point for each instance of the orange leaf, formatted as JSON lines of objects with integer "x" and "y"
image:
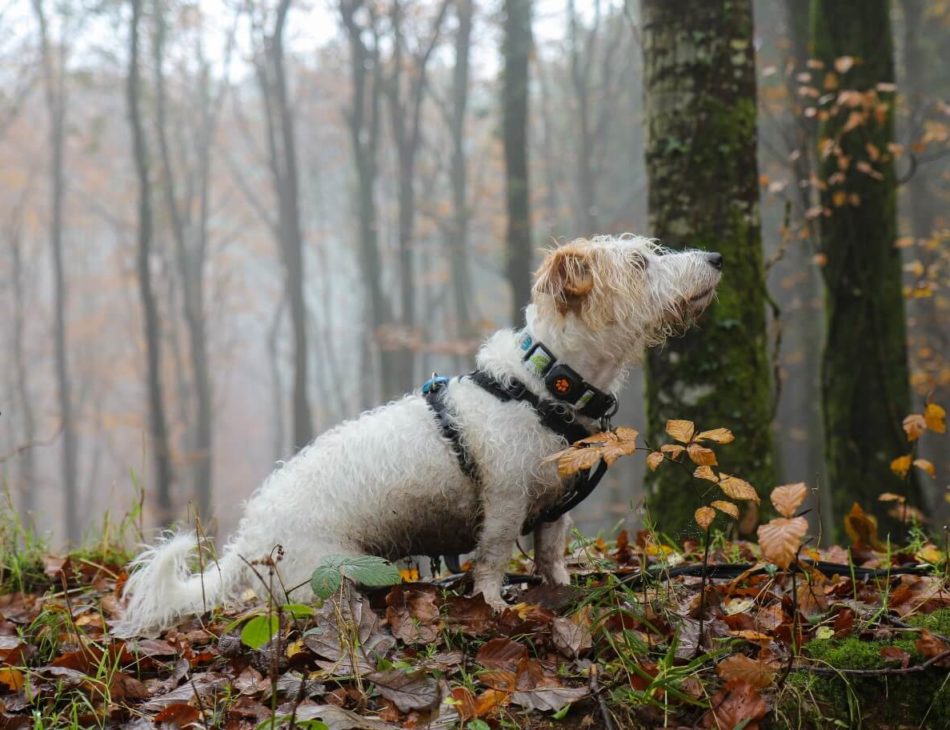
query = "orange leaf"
{"x": 737, "y": 705}
{"x": 862, "y": 528}
{"x": 701, "y": 455}
{"x": 673, "y": 450}
{"x": 654, "y": 460}
{"x": 740, "y": 668}
{"x": 901, "y": 465}
{"x": 621, "y": 442}
{"x": 727, "y": 507}
{"x": 717, "y": 436}
{"x": 891, "y": 497}
{"x": 572, "y": 460}
{"x": 704, "y": 517}
{"x": 682, "y": 431}
{"x": 737, "y": 488}
{"x": 914, "y": 425}
{"x": 12, "y": 678}
{"x": 929, "y": 645}
{"x": 926, "y": 466}
{"x": 936, "y": 418}
{"x": 780, "y": 539}
{"x": 788, "y": 498}
{"x": 704, "y": 472}
{"x": 489, "y": 700}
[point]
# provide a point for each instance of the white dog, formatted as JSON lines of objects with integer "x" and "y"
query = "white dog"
{"x": 405, "y": 479}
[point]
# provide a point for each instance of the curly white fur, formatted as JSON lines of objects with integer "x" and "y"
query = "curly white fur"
{"x": 388, "y": 483}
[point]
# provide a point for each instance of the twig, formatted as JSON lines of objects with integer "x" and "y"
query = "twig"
{"x": 201, "y": 705}
{"x": 702, "y": 595}
{"x": 595, "y": 690}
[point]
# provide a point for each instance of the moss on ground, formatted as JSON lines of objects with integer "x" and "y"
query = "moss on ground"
{"x": 918, "y": 699}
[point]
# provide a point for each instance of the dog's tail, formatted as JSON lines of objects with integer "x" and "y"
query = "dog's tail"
{"x": 162, "y": 588}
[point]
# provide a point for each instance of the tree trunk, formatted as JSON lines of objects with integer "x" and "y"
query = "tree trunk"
{"x": 516, "y": 50}
{"x": 152, "y": 327}
{"x": 363, "y": 119}
{"x": 701, "y": 162}
{"x": 282, "y": 145}
{"x": 458, "y": 244}
{"x": 54, "y": 85}
{"x": 865, "y": 392}
{"x": 190, "y": 259}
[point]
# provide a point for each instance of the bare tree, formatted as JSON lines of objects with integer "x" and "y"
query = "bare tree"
{"x": 282, "y": 152}
{"x": 405, "y": 97}
{"x": 54, "y": 60}
{"x": 188, "y": 214}
{"x": 151, "y": 324}
{"x": 363, "y": 119}
{"x": 516, "y": 51}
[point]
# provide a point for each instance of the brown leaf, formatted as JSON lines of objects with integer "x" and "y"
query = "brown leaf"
{"x": 862, "y": 529}
{"x": 488, "y": 700}
{"x": 901, "y": 465}
{"x": 549, "y": 699}
{"x": 407, "y": 690}
{"x": 926, "y": 466}
{"x": 501, "y": 653}
{"x": 12, "y": 678}
{"x": 412, "y": 613}
{"x": 914, "y": 426}
{"x": 621, "y": 442}
{"x": 896, "y": 654}
{"x": 726, "y": 507}
{"x": 929, "y": 645}
{"x": 843, "y": 64}
{"x": 654, "y": 460}
{"x": 740, "y": 668}
{"x": 674, "y": 451}
{"x": 705, "y": 472}
{"x": 737, "y": 488}
{"x": 575, "y": 459}
{"x": 789, "y": 498}
{"x": 936, "y": 418}
{"x": 701, "y": 455}
{"x": 738, "y": 705}
{"x": 717, "y": 436}
{"x": 572, "y": 635}
{"x": 464, "y": 702}
{"x": 498, "y": 679}
{"x": 704, "y": 517}
{"x": 682, "y": 431}
{"x": 780, "y": 539}
{"x": 179, "y": 714}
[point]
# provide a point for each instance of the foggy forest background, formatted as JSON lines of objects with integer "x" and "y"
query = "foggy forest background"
{"x": 325, "y": 224}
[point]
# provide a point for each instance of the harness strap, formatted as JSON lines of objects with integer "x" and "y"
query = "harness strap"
{"x": 434, "y": 393}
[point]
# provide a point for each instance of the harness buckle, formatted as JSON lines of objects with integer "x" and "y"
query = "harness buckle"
{"x": 605, "y": 423}
{"x": 434, "y": 384}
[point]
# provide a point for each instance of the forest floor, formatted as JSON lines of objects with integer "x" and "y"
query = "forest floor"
{"x": 641, "y": 639}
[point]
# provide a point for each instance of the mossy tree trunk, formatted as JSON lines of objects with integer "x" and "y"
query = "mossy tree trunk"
{"x": 703, "y": 177}
{"x": 865, "y": 391}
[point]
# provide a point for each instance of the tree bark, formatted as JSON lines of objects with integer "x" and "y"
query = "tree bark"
{"x": 516, "y": 50}
{"x": 865, "y": 391}
{"x": 272, "y": 77}
{"x": 703, "y": 178}
{"x": 152, "y": 327}
{"x": 54, "y": 85}
{"x": 190, "y": 257}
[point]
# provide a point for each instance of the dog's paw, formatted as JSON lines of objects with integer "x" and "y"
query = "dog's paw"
{"x": 556, "y": 575}
{"x": 495, "y": 602}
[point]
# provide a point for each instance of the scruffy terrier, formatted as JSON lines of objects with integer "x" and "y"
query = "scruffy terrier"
{"x": 462, "y": 467}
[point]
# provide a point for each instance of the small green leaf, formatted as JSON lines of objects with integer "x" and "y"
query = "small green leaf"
{"x": 299, "y": 610}
{"x": 325, "y": 580}
{"x": 259, "y": 630}
{"x": 371, "y": 571}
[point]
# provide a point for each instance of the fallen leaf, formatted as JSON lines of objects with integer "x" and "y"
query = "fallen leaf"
{"x": 740, "y": 668}
{"x": 549, "y": 699}
{"x": 12, "y": 678}
{"x": 896, "y": 654}
{"x": 682, "y": 431}
{"x": 780, "y": 539}
{"x": 464, "y": 702}
{"x": 488, "y": 700}
{"x": 788, "y": 498}
{"x": 572, "y": 635}
{"x": 412, "y": 613}
{"x": 929, "y": 645}
{"x": 178, "y": 714}
{"x": 501, "y": 653}
{"x": 407, "y": 690}
{"x": 738, "y": 705}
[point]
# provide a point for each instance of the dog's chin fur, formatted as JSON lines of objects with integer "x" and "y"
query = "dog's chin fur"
{"x": 389, "y": 484}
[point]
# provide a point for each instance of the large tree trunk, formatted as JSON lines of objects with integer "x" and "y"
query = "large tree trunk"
{"x": 363, "y": 120}
{"x": 54, "y": 85}
{"x": 282, "y": 146}
{"x": 516, "y": 51}
{"x": 701, "y": 161}
{"x": 190, "y": 259}
{"x": 152, "y": 328}
{"x": 865, "y": 391}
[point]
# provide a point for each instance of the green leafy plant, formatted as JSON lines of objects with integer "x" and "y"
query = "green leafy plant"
{"x": 367, "y": 570}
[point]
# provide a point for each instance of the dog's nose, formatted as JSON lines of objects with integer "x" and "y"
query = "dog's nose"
{"x": 715, "y": 260}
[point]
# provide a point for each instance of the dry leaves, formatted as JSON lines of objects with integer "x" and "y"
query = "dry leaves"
{"x": 788, "y": 498}
{"x": 607, "y": 446}
{"x": 781, "y": 538}
{"x": 704, "y": 517}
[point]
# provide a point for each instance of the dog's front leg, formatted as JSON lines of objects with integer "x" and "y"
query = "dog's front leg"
{"x": 501, "y": 525}
{"x": 549, "y": 538}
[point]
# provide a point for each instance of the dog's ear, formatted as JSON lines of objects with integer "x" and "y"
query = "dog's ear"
{"x": 566, "y": 275}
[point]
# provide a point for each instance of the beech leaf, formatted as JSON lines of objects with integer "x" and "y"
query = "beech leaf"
{"x": 914, "y": 426}
{"x": 737, "y": 488}
{"x": 701, "y": 455}
{"x": 704, "y": 472}
{"x": 717, "y": 436}
{"x": 901, "y": 465}
{"x": 704, "y": 517}
{"x": 654, "y": 460}
{"x": 673, "y": 450}
{"x": 682, "y": 431}
{"x": 926, "y": 466}
{"x": 789, "y": 498}
{"x": 740, "y": 668}
{"x": 936, "y": 418}
{"x": 781, "y": 538}
{"x": 727, "y": 508}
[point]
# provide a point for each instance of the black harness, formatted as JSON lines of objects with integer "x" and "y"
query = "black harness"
{"x": 563, "y": 383}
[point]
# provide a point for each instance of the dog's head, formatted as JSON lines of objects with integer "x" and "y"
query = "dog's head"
{"x": 623, "y": 293}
